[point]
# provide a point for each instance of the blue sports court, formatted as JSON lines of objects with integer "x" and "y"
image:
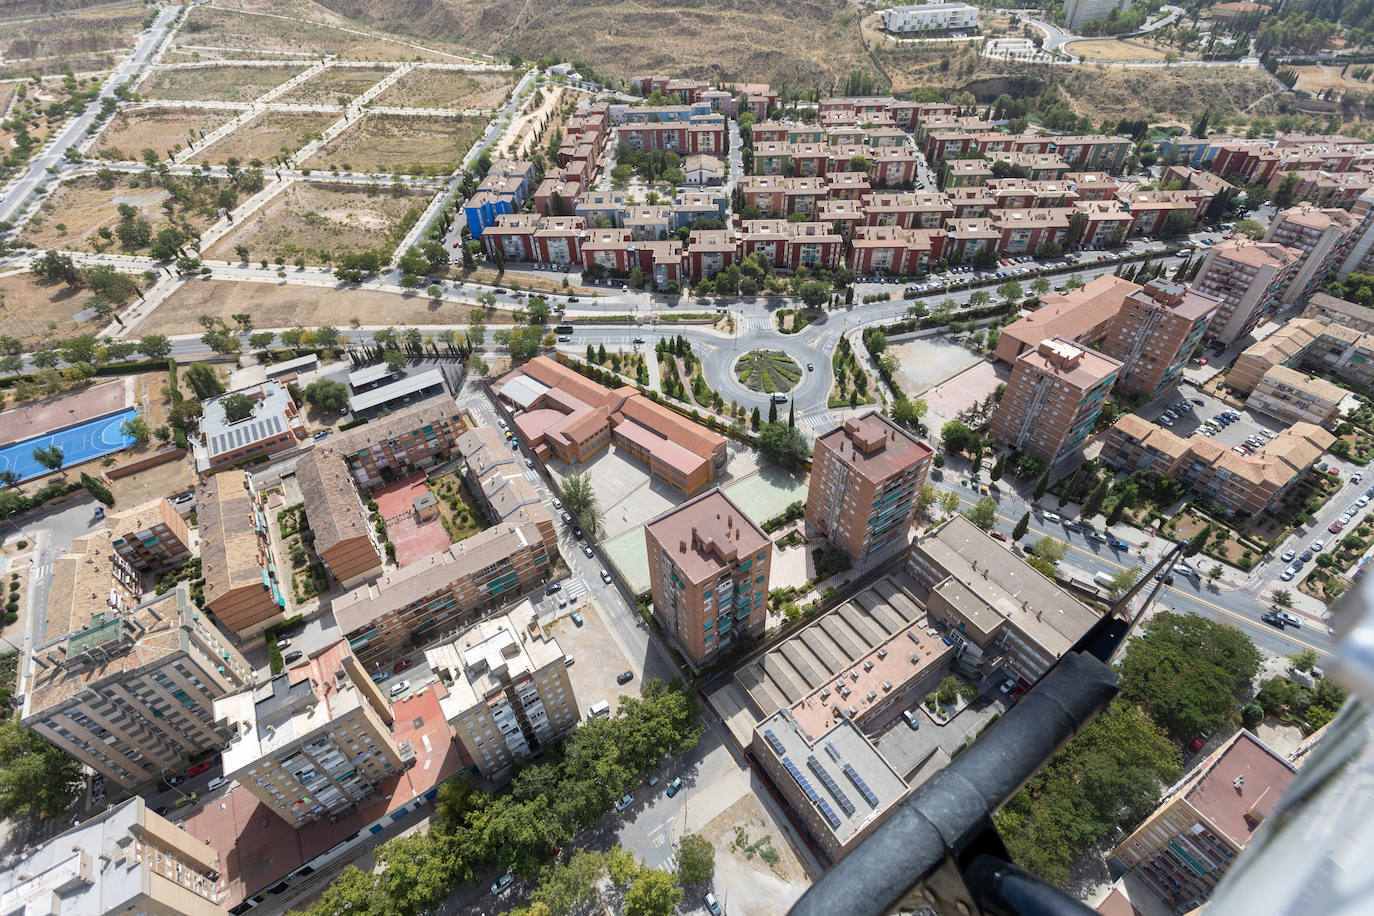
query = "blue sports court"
{"x": 79, "y": 443}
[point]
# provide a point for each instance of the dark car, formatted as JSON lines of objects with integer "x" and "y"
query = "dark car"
{"x": 1274, "y": 620}
{"x": 293, "y": 656}
{"x": 553, "y": 587}
{"x": 402, "y": 665}
{"x": 624, "y": 677}
{"x": 999, "y": 535}
{"x": 577, "y": 533}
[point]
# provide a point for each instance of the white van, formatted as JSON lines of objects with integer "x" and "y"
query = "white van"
{"x": 1182, "y": 570}
{"x": 1103, "y": 579}
{"x": 600, "y": 709}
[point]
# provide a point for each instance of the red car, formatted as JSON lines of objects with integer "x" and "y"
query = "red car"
{"x": 402, "y": 665}
{"x": 199, "y": 768}
{"x": 1334, "y": 527}
{"x": 999, "y": 535}
{"x": 1015, "y": 694}
{"x": 1197, "y": 744}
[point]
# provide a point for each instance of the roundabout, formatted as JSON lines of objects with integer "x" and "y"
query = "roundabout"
{"x": 768, "y": 371}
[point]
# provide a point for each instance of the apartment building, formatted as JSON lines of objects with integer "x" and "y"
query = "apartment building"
{"x": 125, "y": 859}
{"x": 930, "y": 17}
{"x": 275, "y": 425}
{"x": 1053, "y": 398}
{"x": 242, "y": 587}
{"x": 1360, "y": 257}
{"x": 508, "y": 693}
{"x": 1288, "y": 346}
{"x": 313, "y": 741}
{"x": 1321, "y": 235}
{"x": 896, "y": 252}
{"x": 1243, "y": 483}
{"x": 151, "y": 536}
{"x": 127, "y": 686}
{"x": 1331, "y": 310}
{"x": 999, "y": 610}
{"x": 1082, "y": 315}
{"x": 1205, "y": 820}
{"x": 1295, "y": 397}
{"x": 495, "y": 474}
{"x": 865, "y": 477}
{"x": 1249, "y": 278}
{"x": 1154, "y": 334}
{"x": 792, "y": 245}
{"x": 386, "y": 617}
{"x": 708, "y": 573}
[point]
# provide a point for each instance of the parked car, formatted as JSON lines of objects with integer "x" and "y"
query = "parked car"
{"x": 1288, "y": 574}
{"x": 712, "y": 906}
{"x": 1274, "y": 620}
{"x": 1053, "y": 519}
{"x": 605, "y": 577}
{"x": 552, "y": 587}
{"x": 501, "y": 883}
{"x": 626, "y": 801}
{"x": 577, "y": 619}
{"x": 199, "y": 768}
{"x": 1288, "y": 555}
{"x": 1318, "y": 546}
{"x": 675, "y": 786}
{"x": 912, "y": 719}
{"x": 624, "y": 677}
{"x": 293, "y": 656}
{"x": 381, "y": 676}
{"x": 215, "y": 783}
{"x": 399, "y": 688}
{"x": 588, "y": 550}
{"x": 998, "y": 535}
{"x": 402, "y": 665}
{"x": 1119, "y": 545}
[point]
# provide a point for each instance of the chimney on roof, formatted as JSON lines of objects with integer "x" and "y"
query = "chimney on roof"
{"x": 682, "y": 546}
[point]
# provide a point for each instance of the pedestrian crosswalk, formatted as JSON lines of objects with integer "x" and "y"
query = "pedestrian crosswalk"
{"x": 816, "y": 420}
{"x": 575, "y": 588}
{"x": 531, "y": 476}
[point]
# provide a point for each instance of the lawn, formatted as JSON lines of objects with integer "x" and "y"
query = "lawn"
{"x": 133, "y": 130}
{"x": 391, "y": 144}
{"x": 463, "y": 517}
{"x": 767, "y": 371}
{"x": 335, "y": 86}
{"x": 422, "y": 88}
{"x": 321, "y": 223}
{"x": 216, "y": 84}
{"x": 269, "y": 136}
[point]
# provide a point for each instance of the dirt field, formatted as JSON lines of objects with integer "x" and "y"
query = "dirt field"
{"x": 414, "y": 146}
{"x": 448, "y": 89}
{"x": 83, "y": 207}
{"x": 1112, "y": 49}
{"x": 130, "y": 132}
{"x": 216, "y": 84}
{"x": 82, "y": 40}
{"x": 310, "y": 220}
{"x": 337, "y": 85}
{"x": 1320, "y": 77}
{"x": 39, "y": 315}
{"x": 269, "y": 135}
{"x": 526, "y": 127}
{"x": 277, "y": 305}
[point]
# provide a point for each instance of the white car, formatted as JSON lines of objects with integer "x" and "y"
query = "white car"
{"x": 399, "y": 688}
{"x": 1288, "y": 574}
{"x": 625, "y": 802}
{"x": 1052, "y": 518}
{"x": 501, "y": 883}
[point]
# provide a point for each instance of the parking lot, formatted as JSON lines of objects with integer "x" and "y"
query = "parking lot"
{"x": 1230, "y": 435}
{"x": 597, "y": 658}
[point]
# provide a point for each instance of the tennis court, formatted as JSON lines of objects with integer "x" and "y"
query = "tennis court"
{"x": 79, "y": 443}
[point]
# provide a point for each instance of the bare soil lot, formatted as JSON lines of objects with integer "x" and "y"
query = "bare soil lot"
{"x": 279, "y": 305}
{"x": 86, "y": 40}
{"x": 1113, "y": 49}
{"x": 1320, "y": 77}
{"x": 448, "y": 89}
{"x": 41, "y": 314}
{"x": 130, "y": 132}
{"x": 335, "y": 86}
{"x": 294, "y": 29}
{"x": 83, "y": 207}
{"x": 396, "y": 144}
{"x": 228, "y": 83}
{"x": 268, "y": 136}
{"x": 321, "y": 223}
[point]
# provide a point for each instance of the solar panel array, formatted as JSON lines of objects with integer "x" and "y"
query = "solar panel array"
{"x": 862, "y": 786}
{"x": 805, "y": 784}
{"x": 833, "y": 752}
{"x": 773, "y": 740}
{"x": 830, "y": 786}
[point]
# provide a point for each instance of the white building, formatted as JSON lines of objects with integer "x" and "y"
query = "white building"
{"x": 930, "y": 17}
{"x": 1077, "y": 12}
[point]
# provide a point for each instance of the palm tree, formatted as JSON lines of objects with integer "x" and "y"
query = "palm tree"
{"x": 580, "y": 500}
{"x": 50, "y": 456}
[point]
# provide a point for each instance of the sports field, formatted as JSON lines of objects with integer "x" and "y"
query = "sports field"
{"x": 78, "y": 443}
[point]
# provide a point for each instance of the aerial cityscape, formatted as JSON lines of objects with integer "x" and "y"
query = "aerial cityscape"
{"x": 488, "y": 458}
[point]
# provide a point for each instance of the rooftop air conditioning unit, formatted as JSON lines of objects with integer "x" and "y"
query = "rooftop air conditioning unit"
{"x": 868, "y": 665}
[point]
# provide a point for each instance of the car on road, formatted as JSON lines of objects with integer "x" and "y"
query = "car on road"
{"x": 1288, "y": 574}
{"x": 605, "y": 577}
{"x": 998, "y": 535}
{"x": 624, "y": 677}
{"x": 1335, "y": 526}
{"x": 399, "y": 688}
{"x": 1199, "y": 402}
{"x": 639, "y": 340}
{"x": 1288, "y": 556}
{"x": 1119, "y": 545}
{"x": 381, "y": 676}
{"x": 402, "y": 665}
{"x": 809, "y": 367}
{"x": 1053, "y": 519}
{"x": 577, "y": 619}
{"x": 586, "y": 548}
{"x": 626, "y": 801}
{"x": 215, "y": 783}
{"x": 675, "y": 786}
{"x": 529, "y": 462}
{"x": 1305, "y": 556}
{"x": 577, "y": 533}
{"x": 199, "y": 768}
{"x": 712, "y": 906}
{"x": 501, "y": 883}
{"x": 1357, "y": 477}
{"x": 1290, "y": 619}
{"x": 558, "y": 504}
{"x": 283, "y": 643}
{"x": 1008, "y": 686}
{"x": 1318, "y": 546}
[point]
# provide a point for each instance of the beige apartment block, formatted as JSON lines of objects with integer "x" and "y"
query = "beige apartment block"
{"x": 125, "y": 859}
{"x": 151, "y": 536}
{"x": 1055, "y": 394}
{"x": 1249, "y": 278}
{"x": 1322, "y": 235}
{"x": 242, "y": 588}
{"x": 1082, "y": 315}
{"x": 865, "y": 477}
{"x": 1154, "y": 334}
{"x": 508, "y": 691}
{"x": 1295, "y": 397}
{"x": 313, "y": 741}
{"x": 708, "y": 574}
{"x": 127, "y": 686}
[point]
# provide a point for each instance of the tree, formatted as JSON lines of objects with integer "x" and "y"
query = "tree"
{"x": 755, "y": 421}
{"x": 956, "y": 436}
{"x": 653, "y": 893}
{"x": 1040, "y": 285}
{"x": 983, "y": 514}
{"x": 998, "y": 467}
{"x": 696, "y": 859}
{"x": 909, "y": 411}
{"x": 784, "y": 446}
{"x": 1197, "y": 542}
{"x": 1011, "y": 291}
{"x": 353, "y": 892}
{"x": 36, "y": 777}
{"x": 1108, "y": 778}
{"x": 538, "y": 310}
{"x": 814, "y": 293}
{"x": 1304, "y": 660}
{"x": 581, "y": 501}
{"x": 395, "y": 360}
{"x": 1286, "y": 192}
{"x": 523, "y": 343}
{"x": 1094, "y": 502}
{"x": 1047, "y": 548}
{"x": 1283, "y": 597}
{"x": 1188, "y": 672}
{"x": 155, "y": 346}
{"x": 772, "y": 411}
{"x": 1042, "y": 485}
{"x": 237, "y": 406}
{"x": 1250, "y": 228}
{"x": 1124, "y": 579}
{"x": 203, "y": 380}
{"x": 49, "y": 456}
{"x": 1021, "y": 528}
{"x": 327, "y": 394}
{"x": 97, "y": 489}
{"x": 136, "y": 428}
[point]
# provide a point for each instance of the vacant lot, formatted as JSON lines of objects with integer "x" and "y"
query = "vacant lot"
{"x": 39, "y": 315}
{"x": 321, "y": 223}
{"x": 279, "y": 305}
{"x": 84, "y": 40}
{"x": 448, "y": 89}
{"x": 216, "y": 84}
{"x": 335, "y": 86}
{"x": 1112, "y": 49}
{"x": 1319, "y": 77}
{"x": 82, "y": 207}
{"x": 392, "y": 143}
{"x": 270, "y": 135}
{"x": 131, "y": 131}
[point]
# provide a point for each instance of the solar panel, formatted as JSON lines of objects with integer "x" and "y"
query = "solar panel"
{"x": 802, "y": 781}
{"x": 773, "y": 740}
{"x": 833, "y": 752}
{"x": 862, "y": 786}
{"x": 829, "y": 812}
{"x": 830, "y": 786}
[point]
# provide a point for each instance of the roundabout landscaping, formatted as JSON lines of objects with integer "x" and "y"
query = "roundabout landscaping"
{"x": 768, "y": 371}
